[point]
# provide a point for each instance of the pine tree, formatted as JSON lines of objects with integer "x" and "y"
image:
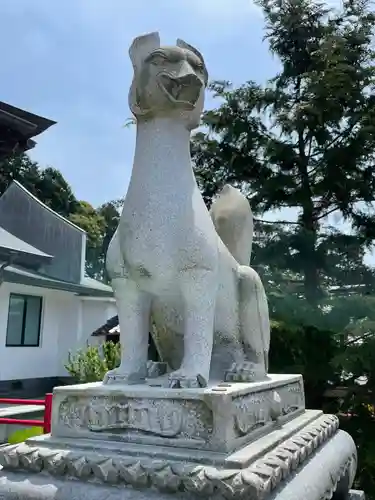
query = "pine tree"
{"x": 305, "y": 140}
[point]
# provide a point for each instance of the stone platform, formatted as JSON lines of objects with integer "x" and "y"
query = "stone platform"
{"x": 310, "y": 464}
{"x": 219, "y": 419}
{"x": 230, "y": 441}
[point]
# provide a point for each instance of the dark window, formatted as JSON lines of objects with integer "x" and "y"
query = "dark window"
{"x": 24, "y": 318}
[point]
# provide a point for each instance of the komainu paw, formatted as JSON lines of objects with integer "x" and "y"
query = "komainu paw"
{"x": 177, "y": 380}
{"x": 117, "y": 377}
{"x": 244, "y": 372}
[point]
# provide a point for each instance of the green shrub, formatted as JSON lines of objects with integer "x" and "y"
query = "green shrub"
{"x": 307, "y": 350}
{"x": 323, "y": 356}
{"x": 92, "y": 363}
{"x": 21, "y": 435}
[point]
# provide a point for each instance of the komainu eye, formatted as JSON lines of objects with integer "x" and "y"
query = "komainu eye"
{"x": 196, "y": 64}
{"x": 158, "y": 59}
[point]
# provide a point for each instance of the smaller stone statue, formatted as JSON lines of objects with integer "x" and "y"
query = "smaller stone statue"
{"x": 172, "y": 261}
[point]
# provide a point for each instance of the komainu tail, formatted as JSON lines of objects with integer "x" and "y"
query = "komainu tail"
{"x": 233, "y": 220}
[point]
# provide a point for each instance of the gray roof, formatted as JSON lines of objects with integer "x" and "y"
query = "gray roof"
{"x": 16, "y": 274}
{"x": 25, "y": 123}
{"x": 17, "y": 129}
{"x": 95, "y": 284}
{"x": 30, "y": 220}
{"x": 10, "y": 242}
{"x": 46, "y": 207}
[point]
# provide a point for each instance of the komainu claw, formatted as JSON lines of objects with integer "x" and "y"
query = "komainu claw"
{"x": 244, "y": 372}
{"x": 177, "y": 381}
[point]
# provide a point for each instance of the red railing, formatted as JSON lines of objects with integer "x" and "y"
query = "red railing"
{"x": 45, "y": 423}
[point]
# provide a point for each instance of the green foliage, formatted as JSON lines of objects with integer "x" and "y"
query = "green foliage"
{"x": 110, "y": 214}
{"x": 89, "y": 219}
{"x": 55, "y": 192}
{"x": 361, "y": 427}
{"x": 21, "y": 435}
{"x": 308, "y": 350}
{"x": 92, "y": 363}
{"x": 100, "y": 225}
{"x": 305, "y": 141}
{"x": 323, "y": 356}
{"x": 46, "y": 184}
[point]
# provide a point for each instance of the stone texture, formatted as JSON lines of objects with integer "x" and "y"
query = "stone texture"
{"x": 166, "y": 260}
{"x": 356, "y": 495}
{"x": 17, "y": 486}
{"x": 221, "y": 418}
{"x": 333, "y": 466}
{"x": 259, "y": 478}
{"x": 237, "y": 459}
{"x": 233, "y": 221}
{"x": 22, "y": 486}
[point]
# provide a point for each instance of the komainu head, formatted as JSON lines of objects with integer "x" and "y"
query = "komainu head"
{"x": 168, "y": 81}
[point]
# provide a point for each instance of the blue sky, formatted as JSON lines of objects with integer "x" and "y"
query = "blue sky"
{"x": 68, "y": 61}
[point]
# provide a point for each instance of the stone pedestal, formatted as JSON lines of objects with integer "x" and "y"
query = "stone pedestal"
{"x": 214, "y": 421}
{"x": 230, "y": 441}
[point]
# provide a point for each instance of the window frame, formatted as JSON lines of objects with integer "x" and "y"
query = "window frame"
{"x": 24, "y": 296}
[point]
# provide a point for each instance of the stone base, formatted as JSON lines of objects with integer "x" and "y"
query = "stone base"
{"x": 312, "y": 464}
{"x": 224, "y": 442}
{"x": 220, "y": 418}
{"x": 15, "y": 486}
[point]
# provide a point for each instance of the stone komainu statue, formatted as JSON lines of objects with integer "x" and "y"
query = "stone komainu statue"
{"x": 171, "y": 261}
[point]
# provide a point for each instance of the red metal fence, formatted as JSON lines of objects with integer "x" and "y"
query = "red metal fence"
{"x": 45, "y": 423}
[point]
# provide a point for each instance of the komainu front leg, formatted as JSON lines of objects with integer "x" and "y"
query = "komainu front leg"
{"x": 254, "y": 329}
{"x": 198, "y": 289}
{"x": 133, "y": 307}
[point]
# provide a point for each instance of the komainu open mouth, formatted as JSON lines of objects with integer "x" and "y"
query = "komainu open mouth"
{"x": 181, "y": 90}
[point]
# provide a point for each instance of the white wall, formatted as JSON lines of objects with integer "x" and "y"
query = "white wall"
{"x": 31, "y": 362}
{"x": 79, "y": 317}
{"x": 67, "y": 323}
{"x": 94, "y": 314}
{"x": 69, "y": 326}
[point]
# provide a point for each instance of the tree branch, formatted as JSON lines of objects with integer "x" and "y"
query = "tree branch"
{"x": 276, "y": 222}
{"x": 327, "y": 213}
{"x": 339, "y": 136}
{"x": 362, "y": 337}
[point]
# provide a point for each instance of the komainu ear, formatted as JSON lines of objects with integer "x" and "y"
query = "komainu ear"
{"x": 141, "y": 47}
{"x": 184, "y": 45}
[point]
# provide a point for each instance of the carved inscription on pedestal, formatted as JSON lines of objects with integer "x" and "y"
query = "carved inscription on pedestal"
{"x": 250, "y": 413}
{"x": 120, "y": 415}
{"x": 256, "y": 410}
{"x": 292, "y": 398}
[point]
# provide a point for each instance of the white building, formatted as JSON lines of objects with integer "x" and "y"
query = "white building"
{"x": 47, "y": 305}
